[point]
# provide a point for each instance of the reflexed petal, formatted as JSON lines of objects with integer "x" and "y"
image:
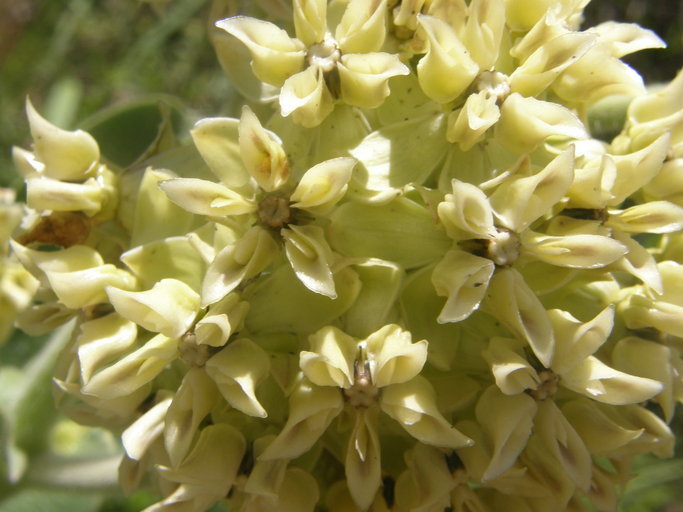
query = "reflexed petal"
{"x": 262, "y": 153}
{"x": 237, "y": 262}
{"x": 520, "y": 200}
{"x": 626, "y": 38}
{"x": 601, "y": 432}
{"x": 562, "y": 441}
{"x": 650, "y": 217}
{"x": 216, "y": 139}
{"x": 306, "y": 97}
{"x": 447, "y": 69}
{"x": 413, "y": 405}
{"x": 236, "y": 370}
{"x": 66, "y": 155}
{"x": 331, "y": 359}
{"x": 394, "y": 357}
{"x": 634, "y": 170}
{"x": 526, "y": 122}
{"x": 604, "y": 384}
{"x": 512, "y": 372}
{"x": 574, "y": 251}
{"x": 364, "y": 77}
{"x": 194, "y": 399}
{"x": 133, "y": 371}
{"x": 311, "y": 410}
{"x": 574, "y": 340}
{"x": 512, "y": 302}
{"x": 362, "y": 464}
{"x": 222, "y": 320}
{"x": 652, "y": 360}
{"x": 543, "y": 66}
{"x": 638, "y": 262}
{"x": 597, "y": 75}
{"x": 169, "y": 307}
{"x": 140, "y": 434}
{"x": 275, "y": 56}
{"x": 309, "y": 255}
{"x": 102, "y": 340}
{"x": 463, "y": 278}
{"x": 61, "y": 196}
{"x": 88, "y": 287}
{"x": 206, "y": 198}
{"x": 508, "y": 420}
{"x": 323, "y": 185}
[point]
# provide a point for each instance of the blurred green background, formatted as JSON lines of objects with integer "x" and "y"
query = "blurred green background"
{"x": 74, "y": 58}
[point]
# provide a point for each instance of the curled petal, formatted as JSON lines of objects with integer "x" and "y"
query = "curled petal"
{"x": 463, "y": 278}
{"x": 447, "y": 69}
{"x": 323, "y": 185}
{"x": 413, "y": 405}
{"x": 364, "y": 77}
{"x": 393, "y": 357}
{"x": 206, "y": 198}
{"x": 512, "y": 302}
{"x": 311, "y": 410}
{"x": 262, "y": 153}
{"x": 309, "y": 255}
{"x": 169, "y": 307}
{"x": 236, "y": 370}
{"x": 66, "y": 155}
{"x": 275, "y": 56}
{"x": 331, "y": 359}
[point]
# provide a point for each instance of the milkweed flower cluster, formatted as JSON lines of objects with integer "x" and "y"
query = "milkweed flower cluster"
{"x": 417, "y": 283}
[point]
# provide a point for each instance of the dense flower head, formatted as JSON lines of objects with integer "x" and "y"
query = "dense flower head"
{"x": 418, "y": 282}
